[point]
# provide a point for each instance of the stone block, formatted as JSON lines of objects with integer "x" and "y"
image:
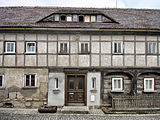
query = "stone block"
{"x": 129, "y": 47}
{"x": 1, "y": 47}
{"x": 74, "y": 47}
{"x": 28, "y": 99}
{"x": 51, "y": 60}
{"x": 129, "y": 60}
{"x": 140, "y": 38}
{"x": 20, "y": 37}
{"x": 105, "y": 38}
{"x": 84, "y": 37}
{"x": 1, "y": 104}
{"x": 152, "y": 61}
{"x": 95, "y": 47}
{"x": 20, "y": 60}
{"x": 9, "y": 60}
{"x": 42, "y": 47}
{"x": 28, "y": 104}
{"x": 42, "y": 37}
{"x": 74, "y": 60}
{"x": 151, "y": 38}
{"x": 117, "y": 37}
{"x": 140, "y": 60}
{"x": 36, "y": 104}
{"x": 12, "y": 95}
{"x": 63, "y": 37}
{"x": 140, "y": 47}
{"x": 129, "y": 37}
{"x": 63, "y": 60}
{"x": 52, "y": 47}
{"x": 52, "y": 37}
{"x": 10, "y": 37}
{"x": 105, "y": 47}
{"x": 95, "y": 60}
{"x": 117, "y": 60}
{"x": 44, "y": 87}
{"x": 42, "y": 60}
{"x": 20, "y": 47}
{"x": 95, "y": 38}
{"x": 19, "y": 95}
{"x": 30, "y": 60}
{"x": 30, "y": 37}
{"x": 105, "y": 60}
{"x": 84, "y": 60}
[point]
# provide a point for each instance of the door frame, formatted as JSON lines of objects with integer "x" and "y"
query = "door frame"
{"x": 85, "y": 87}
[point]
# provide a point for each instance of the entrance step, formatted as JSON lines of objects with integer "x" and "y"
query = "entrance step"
{"x": 75, "y": 110}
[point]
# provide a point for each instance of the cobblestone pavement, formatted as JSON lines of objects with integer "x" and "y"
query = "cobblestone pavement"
{"x": 32, "y": 114}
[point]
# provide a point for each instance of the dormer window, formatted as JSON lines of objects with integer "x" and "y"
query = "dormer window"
{"x": 56, "y": 18}
{"x": 99, "y": 18}
{"x": 69, "y": 18}
{"x": 81, "y": 19}
{"x": 87, "y": 19}
{"x": 93, "y": 18}
{"x": 75, "y": 18}
{"x": 63, "y": 18}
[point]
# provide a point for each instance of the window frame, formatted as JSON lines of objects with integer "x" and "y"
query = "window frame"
{"x": 93, "y": 20}
{"x": 87, "y": 18}
{"x": 145, "y": 87}
{"x": 59, "y": 47}
{"x": 3, "y": 81}
{"x": 14, "y": 47}
{"x": 24, "y": 80}
{"x": 98, "y": 19}
{"x": 56, "y": 19}
{"x": 80, "y": 45}
{"x": 148, "y": 47}
{"x": 113, "y": 47}
{"x": 122, "y": 84}
{"x": 31, "y": 51}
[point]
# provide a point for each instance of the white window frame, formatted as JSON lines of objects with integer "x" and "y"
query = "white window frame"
{"x": 153, "y": 50}
{"x": 69, "y": 18}
{"x": 30, "y": 51}
{"x": 146, "y": 88}
{"x": 98, "y": 18}
{"x": 56, "y": 18}
{"x": 59, "y": 47}
{"x": 24, "y": 80}
{"x": 87, "y": 18}
{"x": 6, "y": 46}
{"x": 3, "y": 81}
{"x": 113, "y": 85}
{"x": 80, "y": 43}
{"x": 93, "y": 18}
{"x": 121, "y": 49}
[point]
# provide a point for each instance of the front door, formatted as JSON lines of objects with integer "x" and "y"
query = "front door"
{"x": 75, "y": 89}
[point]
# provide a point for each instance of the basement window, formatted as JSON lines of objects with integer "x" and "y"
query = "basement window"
{"x": 10, "y": 47}
{"x": 117, "y": 84}
{"x": 149, "y": 84}
{"x": 81, "y": 19}
{"x": 30, "y": 47}
{"x": 2, "y": 84}
{"x": 29, "y": 80}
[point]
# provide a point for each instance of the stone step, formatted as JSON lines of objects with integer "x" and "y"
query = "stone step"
{"x": 75, "y": 110}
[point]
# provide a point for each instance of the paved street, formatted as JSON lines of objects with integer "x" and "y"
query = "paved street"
{"x": 32, "y": 114}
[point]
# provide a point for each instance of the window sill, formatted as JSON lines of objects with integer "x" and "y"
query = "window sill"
{"x": 56, "y": 91}
{"x": 63, "y": 53}
{"x": 117, "y": 91}
{"x": 2, "y": 88}
{"x": 84, "y": 53}
{"x": 29, "y": 88}
{"x": 7, "y": 53}
{"x": 27, "y": 53}
{"x": 117, "y": 53}
{"x": 93, "y": 90}
{"x": 149, "y": 91}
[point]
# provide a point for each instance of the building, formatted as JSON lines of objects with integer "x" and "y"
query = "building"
{"x": 79, "y": 56}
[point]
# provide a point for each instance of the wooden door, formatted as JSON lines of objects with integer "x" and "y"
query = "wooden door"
{"x": 75, "y": 89}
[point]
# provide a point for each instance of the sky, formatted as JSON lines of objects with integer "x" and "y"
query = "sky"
{"x": 150, "y": 4}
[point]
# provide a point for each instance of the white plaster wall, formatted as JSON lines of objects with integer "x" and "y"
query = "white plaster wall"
{"x": 96, "y": 91}
{"x": 56, "y": 99}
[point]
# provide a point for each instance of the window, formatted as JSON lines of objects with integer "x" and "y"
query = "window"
{"x": 69, "y": 18}
{"x": 56, "y": 18}
{"x": 93, "y": 18}
{"x": 117, "y": 47}
{"x": 64, "y": 47}
{"x": 152, "y": 48}
{"x": 10, "y": 47}
{"x": 87, "y": 19}
{"x": 30, "y": 47}
{"x": 29, "y": 80}
{"x": 117, "y": 84}
{"x": 93, "y": 82}
{"x": 63, "y": 18}
{"x": 99, "y": 18}
{"x": 75, "y": 18}
{"x": 84, "y": 47}
{"x": 1, "y": 81}
{"x": 148, "y": 84}
{"x": 81, "y": 19}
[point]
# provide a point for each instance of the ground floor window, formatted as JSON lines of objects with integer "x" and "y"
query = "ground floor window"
{"x": 117, "y": 84}
{"x": 1, "y": 81}
{"x": 29, "y": 80}
{"x": 148, "y": 84}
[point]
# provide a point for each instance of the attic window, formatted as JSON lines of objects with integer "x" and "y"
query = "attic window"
{"x": 99, "y": 18}
{"x": 81, "y": 19}
{"x": 63, "y": 18}
{"x": 75, "y": 18}
{"x": 56, "y": 18}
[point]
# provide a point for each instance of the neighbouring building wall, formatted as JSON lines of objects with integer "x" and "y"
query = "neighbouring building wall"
{"x": 14, "y": 92}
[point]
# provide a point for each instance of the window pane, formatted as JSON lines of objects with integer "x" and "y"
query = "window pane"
{"x": 115, "y": 47}
{"x": 86, "y": 47}
{"x": 147, "y": 84}
{"x": 65, "y": 47}
{"x": 12, "y": 47}
{"x": 8, "y": 47}
{"x": 119, "y": 84}
{"x": 32, "y": 80}
{"x": 99, "y": 18}
{"x": 1, "y": 81}
{"x": 87, "y": 19}
{"x": 63, "y": 18}
{"x": 115, "y": 84}
{"x": 150, "y": 84}
{"x": 71, "y": 82}
{"x": 75, "y": 18}
{"x": 81, "y": 18}
{"x": 80, "y": 82}
{"x": 119, "y": 47}
{"x": 27, "y": 80}
{"x": 30, "y": 47}
{"x": 61, "y": 47}
{"x": 154, "y": 48}
{"x": 82, "y": 47}
{"x": 56, "y": 18}
{"x": 150, "y": 48}
{"x": 93, "y": 18}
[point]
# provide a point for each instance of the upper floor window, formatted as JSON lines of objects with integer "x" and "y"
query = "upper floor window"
{"x": 56, "y": 18}
{"x": 87, "y": 19}
{"x": 29, "y": 80}
{"x": 30, "y": 47}
{"x": 69, "y": 18}
{"x": 10, "y": 47}
{"x": 63, "y": 47}
{"x": 117, "y": 47}
{"x": 2, "y": 81}
{"x": 93, "y": 18}
{"x": 99, "y": 18}
{"x": 148, "y": 84}
{"x": 81, "y": 18}
{"x": 84, "y": 47}
{"x": 63, "y": 18}
{"x": 75, "y": 18}
{"x": 117, "y": 84}
{"x": 152, "y": 48}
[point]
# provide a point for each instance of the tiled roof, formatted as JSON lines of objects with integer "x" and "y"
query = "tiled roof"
{"x": 126, "y": 18}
